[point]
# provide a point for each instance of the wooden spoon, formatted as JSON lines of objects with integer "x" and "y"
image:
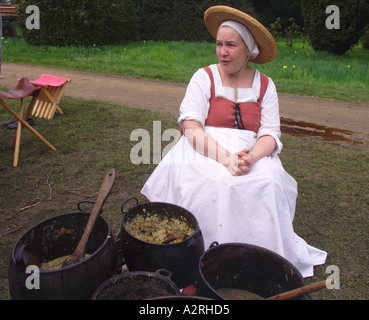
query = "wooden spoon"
{"x": 300, "y": 291}
{"x": 105, "y": 188}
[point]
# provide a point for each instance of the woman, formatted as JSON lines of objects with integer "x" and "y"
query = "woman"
{"x": 225, "y": 168}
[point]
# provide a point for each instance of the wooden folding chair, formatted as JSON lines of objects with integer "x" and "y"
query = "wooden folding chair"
{"x": 46, "y": 102}
{"x": 21, "y": 91}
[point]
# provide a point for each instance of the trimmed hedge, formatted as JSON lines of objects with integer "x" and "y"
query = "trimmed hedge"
{"x": 88, "y": 22}
{"x": 180, "y": 19}
{"x": 365, "y": 39}
{"x": 80, "y": 22}
{"x": 353, "y": 20}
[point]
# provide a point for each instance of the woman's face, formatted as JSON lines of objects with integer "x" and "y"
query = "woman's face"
{"x": 232, "y": 51}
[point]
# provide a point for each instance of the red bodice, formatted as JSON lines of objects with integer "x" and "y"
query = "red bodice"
{"x": 226, "y": 113}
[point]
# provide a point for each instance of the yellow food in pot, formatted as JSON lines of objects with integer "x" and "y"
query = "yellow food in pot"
{"x": 159, "y": 229}
{"x": 56, "y": 263}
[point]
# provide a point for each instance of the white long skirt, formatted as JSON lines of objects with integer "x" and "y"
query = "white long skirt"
{"x": 257, "y": 208}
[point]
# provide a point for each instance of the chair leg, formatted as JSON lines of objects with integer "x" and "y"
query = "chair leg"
{"x": 20, "y": 119}
{"x": 50, "y": 111}
{"x": 18, "y": 135}
{"x": 59, "y": 93}
{"x": 26, "y": 115}
{"x": 29, "y": 109}
{"x": 58, "y": 110}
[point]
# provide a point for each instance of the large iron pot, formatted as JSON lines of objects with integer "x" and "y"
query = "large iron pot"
{"x": 246, "y": 267}
{"x": 137, "y": 286}
{"x": 180, "y": 258}
{"x": 57, "y": 237}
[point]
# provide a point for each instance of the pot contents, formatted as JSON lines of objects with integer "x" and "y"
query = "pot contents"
{"x": 159, "y": 229}
{"x": 238, "y": 294}
{"x": 131, "y": 286}
{"x": 56, "y": 263}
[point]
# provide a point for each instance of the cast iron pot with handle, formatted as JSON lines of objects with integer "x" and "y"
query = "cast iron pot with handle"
{"x": 245, "y": 267}
{"x": 57, "y": 237}
{"x": 180, "y": 258}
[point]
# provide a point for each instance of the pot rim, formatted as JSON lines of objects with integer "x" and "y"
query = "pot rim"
{"x": 109, "y": 236}
{"x": 156, "y": 274}
{"x": 194, "y": 234}
{"x": 214, "y": 246}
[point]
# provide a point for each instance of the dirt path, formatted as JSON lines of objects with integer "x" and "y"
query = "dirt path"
{"x": 166, "y": 97}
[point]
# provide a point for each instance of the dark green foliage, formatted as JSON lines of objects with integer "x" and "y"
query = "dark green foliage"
{"x": 270, "y": 10}
{"x": 99, "y": 22}
{"x": 80, "y": 22}
{"x": 353, "y": 19}
{"x": 180, "y": 19}
{"x": 365, "y": 39}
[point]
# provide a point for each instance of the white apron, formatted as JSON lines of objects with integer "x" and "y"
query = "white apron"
{"x": 257, "y": 208}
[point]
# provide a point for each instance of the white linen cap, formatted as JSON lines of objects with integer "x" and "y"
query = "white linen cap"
{"x": 245, "y": 35}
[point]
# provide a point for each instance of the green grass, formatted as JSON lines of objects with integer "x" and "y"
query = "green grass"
{"x": 333, "y": 209}
{"x": 92, "y": 137}
{"x": 297, "y": 70}
{"x": 303, "y": 71}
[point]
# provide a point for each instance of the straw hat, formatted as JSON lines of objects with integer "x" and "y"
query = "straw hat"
{"x": 215, "y": 16}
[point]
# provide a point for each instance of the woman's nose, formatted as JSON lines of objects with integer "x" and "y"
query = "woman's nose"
{"x": 224, "y": 51}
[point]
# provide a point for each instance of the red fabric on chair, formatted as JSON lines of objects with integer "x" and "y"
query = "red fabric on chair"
{"x": 47, "y": 101}
{"x": 48, "y": 80}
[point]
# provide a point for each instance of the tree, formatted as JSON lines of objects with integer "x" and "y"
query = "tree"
{"x": 270, "y": 10}
{"x": 333, "y": 30}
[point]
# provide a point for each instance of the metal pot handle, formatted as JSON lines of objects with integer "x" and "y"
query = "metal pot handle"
{"x": 165, "y": 273}
{"x": 84, "y": 201}
{"x": 213, "y": 244}
{"x": 21, "y": 255}
{"x": 24, "y": 257}
{"x": 125, "y": 202}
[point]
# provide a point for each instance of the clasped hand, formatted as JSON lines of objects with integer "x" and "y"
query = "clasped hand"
{"x": 240, "y": 163}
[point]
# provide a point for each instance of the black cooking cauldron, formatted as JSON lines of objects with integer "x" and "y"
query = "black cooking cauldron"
{"x": 137, "y": 286}
{"x": 247, "y": 267}
{"x": 57, "y": 237}
{"x": 180, "y": 258}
